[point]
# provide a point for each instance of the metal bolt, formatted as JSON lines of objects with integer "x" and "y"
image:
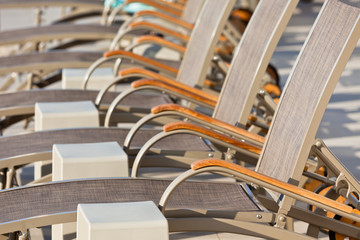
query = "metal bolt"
{"x": 258, "y": 216}
{"x": 282, "y": 218}
{"x": 210, "y": 155}
{"x": 23, "y": 236}
{"x": 318, "y": 144}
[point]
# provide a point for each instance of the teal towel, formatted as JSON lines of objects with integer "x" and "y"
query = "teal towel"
{"x": 131, "y": 8}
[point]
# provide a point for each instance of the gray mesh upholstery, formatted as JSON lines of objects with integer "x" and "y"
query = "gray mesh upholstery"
{"x": 64, "y": 196}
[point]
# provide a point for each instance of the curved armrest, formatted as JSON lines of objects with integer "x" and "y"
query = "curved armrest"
{"x": 176, "y": 110}
{"x": 173, "y": 9}
{"x": 141, "y": 59}
{"x": 188, "y": 128}
{"x": 125, "y": 75}
{"x": 158, "y": 28}
{"x": 277, "y": 185}
{"x": 193, "y": 127}
{"x": 158, "y": 41}
{"x": 180, "y": 86}
{"x": 118, "y": 54}
{"x": 136, "y": 71}
{"x": 222, "y": 125}
{"x": 166, "y": 17}
{"x": 204, "y": 98}
{"x": 157, "y": 85}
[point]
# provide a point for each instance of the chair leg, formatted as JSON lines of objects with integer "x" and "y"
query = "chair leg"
{"x": 290, "y": 224}
{"x": 313, "y": 231}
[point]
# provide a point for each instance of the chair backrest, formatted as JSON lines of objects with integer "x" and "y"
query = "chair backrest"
{"x": 309, "y": 87}
{"x": 192, "y": 10}
{"x": 251, "y": 59}
{"x": 205, "y": 35}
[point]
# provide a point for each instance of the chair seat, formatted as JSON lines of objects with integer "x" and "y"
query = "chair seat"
{"x": 60, "y": 197}
{"x": 29, "y": 98}
{"x": 43, "y": 141}
{"x": 56, "y": 60}
{"x": 14, "y": 106}
{"x": 60, "y": 31}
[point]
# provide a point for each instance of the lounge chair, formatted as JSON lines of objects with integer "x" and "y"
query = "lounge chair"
{"x": 202, "y": 44}
{"x": 94, "y": 5}
{"x": 45, "y": 61}
{"x": 78, "y": 7}
{"x": 91, "y": 4}
{"x": 85, "y": 32}
{"x": 242, "y": 75}
{"x": 41, "y": 65}
{"x": 266, "y": 28}
{"x": 260, "y": 209}
{"x": 185, "y": 21}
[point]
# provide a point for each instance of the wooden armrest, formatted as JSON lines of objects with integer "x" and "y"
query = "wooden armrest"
{"x": 121, "y": 53}
{"x": 160, "y": 41}
{"x": 203, "y": 117}
{"x": 143, "y": 72}
{"x": 162, "y": 7}
{"x": 210, "y": 83}
{"x": 252, "y": 118}
{"x": 242, "y": 14}
{"x": 188, "y": 88}
{"x": 272, "y": 89}
{"x": 266, "y": 179}
{"x": 193, "y": 127}
{"x": 169, "y": 87}
{"x": 166, "y": 17}
{"x": 158, "y": 28}
{"x": 222, "y": 38}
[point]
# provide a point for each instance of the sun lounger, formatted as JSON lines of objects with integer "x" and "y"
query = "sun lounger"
{"x": 283, "y": 12}
{"x": 201, "y": 45}
{"x": 260, "y": 209}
